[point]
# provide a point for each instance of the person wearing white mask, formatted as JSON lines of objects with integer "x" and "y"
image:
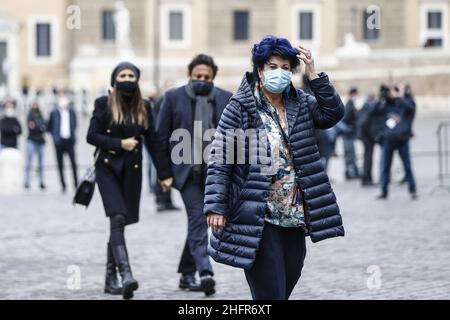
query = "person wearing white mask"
{"x": 62, "y": 125}
{"x": 10, "y": 126}
{"x": 261, "y": 206}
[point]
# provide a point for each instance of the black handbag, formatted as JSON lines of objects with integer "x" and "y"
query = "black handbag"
{"x": 85, "y": 190}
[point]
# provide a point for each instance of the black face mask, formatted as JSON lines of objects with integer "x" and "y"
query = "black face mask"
{"x": 201, "y": 88}
{"x": 127, "y": 87}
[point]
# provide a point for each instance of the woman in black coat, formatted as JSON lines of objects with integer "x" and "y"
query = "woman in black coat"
{"x": 118, "y": 124}
{"x": 261, "y": 206}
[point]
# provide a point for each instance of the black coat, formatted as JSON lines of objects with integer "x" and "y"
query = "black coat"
{"x": 350, "y": 118}
{"x": 10, "y": 130}
{"x": 119, "y": 172}
{"x": 403, "y": 111}
{"x": 176, "y": 112}
{"x": 36, "y": 127}
{"x": 239, "y": 191}
{"x": 54, "y": 125}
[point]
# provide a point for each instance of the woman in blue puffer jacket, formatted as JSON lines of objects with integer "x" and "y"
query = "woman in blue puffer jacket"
{"x": 266, "y": 187}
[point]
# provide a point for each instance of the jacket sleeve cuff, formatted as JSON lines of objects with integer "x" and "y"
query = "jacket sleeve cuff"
{"x": 116, "y": 144}
{"x": 319, "y": 82}
{"x": 164, "y": 174}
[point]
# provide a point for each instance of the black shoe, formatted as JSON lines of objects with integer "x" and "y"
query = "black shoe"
{"x": 207, "y": 285}
{"x": 112, "y": 285}
{"x": 189, "y": 283}
{"x": 367, "y": 183}
{"x": 129, "y": 284}
{"x": 26, "y": 186}
{"x": 42, "y": 186}
{"x": 414, "y": 196}
{"x": 382, "y": 196}
{"x": 166, "y": 207}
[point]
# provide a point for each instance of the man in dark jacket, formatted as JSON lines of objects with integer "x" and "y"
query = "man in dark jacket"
{"x": 62, "y": 125}
{"x": 348, "y": 129}
{"x": 10, "y": 126}
{"x": 398, "y": 114}
{"x": 369, "y": 128}
{"x": 192, "y": 109}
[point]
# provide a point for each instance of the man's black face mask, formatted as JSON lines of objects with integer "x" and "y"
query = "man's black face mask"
{"x": 201, "y": 88}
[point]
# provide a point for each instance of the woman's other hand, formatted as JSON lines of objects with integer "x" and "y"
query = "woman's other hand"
{"x": 129, "y": 144}
{"x": 216, "y": 221}
{"x": 166, "y": 184}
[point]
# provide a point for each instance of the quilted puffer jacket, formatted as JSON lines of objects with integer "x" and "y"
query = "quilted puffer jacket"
{"x": 239, "y": 189}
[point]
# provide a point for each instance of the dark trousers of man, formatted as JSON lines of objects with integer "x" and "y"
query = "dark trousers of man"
{"x": 368, "y": 161}
{"x": 278, "y": 264}
{"x": 66, "y": 146}
{"x": 388, "y": 149}
{"x": 351, "y": 169}
{"x": 195, "y": 256}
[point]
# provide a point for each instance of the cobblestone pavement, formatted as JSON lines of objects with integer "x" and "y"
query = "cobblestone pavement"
{"x": 396, "y": 249}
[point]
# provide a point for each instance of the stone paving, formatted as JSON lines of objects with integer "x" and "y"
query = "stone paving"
{"x": 394, "y": 249}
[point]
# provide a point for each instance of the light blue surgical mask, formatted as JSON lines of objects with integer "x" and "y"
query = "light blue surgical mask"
{"x": 276, "y": 81}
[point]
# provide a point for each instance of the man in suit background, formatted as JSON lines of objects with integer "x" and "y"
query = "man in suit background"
{"x": 62, "y": 125}
{"x": 196, "y": 106}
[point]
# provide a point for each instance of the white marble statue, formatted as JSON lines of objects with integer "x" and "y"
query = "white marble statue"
{"x": 124, "y": 48}
{"x": 352, "y": 48}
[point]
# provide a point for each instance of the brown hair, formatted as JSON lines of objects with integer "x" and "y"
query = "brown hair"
{"x": 117, "y": 106}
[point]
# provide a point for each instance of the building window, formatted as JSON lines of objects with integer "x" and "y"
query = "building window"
{"x": 434, "y": 20}
{"x": 306, "y": 25}
{"x": 434, "y": 24}
{"x": 3, "y": 56}
{"x": 109, "y": 28}
{"x": 176, "y": 25}
{"x": 241, "y": 25}
{"x": 43, "y": 40}
{"x": 370, "y": 32}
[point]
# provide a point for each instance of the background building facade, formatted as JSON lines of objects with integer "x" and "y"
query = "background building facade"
{"x": 76, "y": 43}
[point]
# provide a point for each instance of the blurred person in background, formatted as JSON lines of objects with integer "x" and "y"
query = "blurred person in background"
{"x": 408, "y": 95}
{"x": 196, "y": 106}
{"x": 398, "y": 113}
{"x": 35, "y": 143}
{"x": 62, "y": 125}
{"x": 326, "y": 139}
{"x": 347, "y": 128}
{"x": 163, "y": 199}
{"x": 369, "y": 129}
{"x": 117, "y": 126}
{"x": 10, "y": 127}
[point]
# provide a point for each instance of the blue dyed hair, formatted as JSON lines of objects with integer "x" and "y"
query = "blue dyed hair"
{"x": 273, "y": 46}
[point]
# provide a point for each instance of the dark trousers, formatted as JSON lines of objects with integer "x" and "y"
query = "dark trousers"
{"x": 351, "y": 169}
{"x": 195, "y": 257}
{"x": 278, "y": 264}
{"x": 66, "y": 146}
{"x": 388, "y": 148}
{"x": 117, "y": 230}
{"x": 368, "y": 160}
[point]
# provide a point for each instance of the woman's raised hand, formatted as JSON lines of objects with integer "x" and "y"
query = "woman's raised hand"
{"x": 306, "y": 56}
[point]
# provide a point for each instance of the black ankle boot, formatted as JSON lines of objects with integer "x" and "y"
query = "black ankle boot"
{"x": 112, "y": 285}
{"x": 129, "y": 284}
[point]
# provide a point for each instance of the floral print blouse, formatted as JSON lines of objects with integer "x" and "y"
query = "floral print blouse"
{"x": 284, "y": 201}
